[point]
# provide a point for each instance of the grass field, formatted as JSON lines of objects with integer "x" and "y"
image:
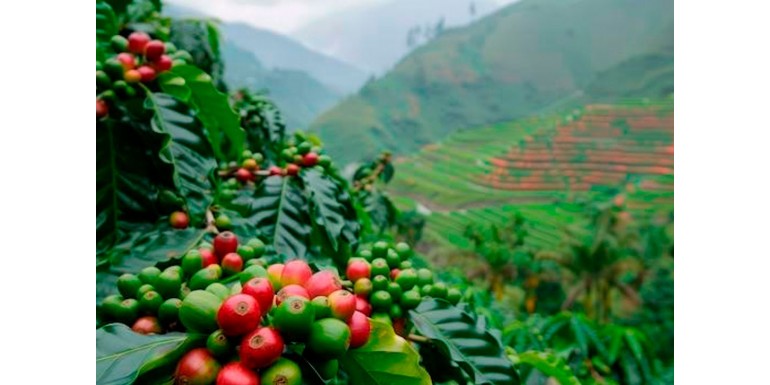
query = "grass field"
{"x": 542, "y": 167}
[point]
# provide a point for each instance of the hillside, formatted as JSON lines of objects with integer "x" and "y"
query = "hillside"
{"x": 355, "y": 35}
{"x": 278, "y": 51}
{"x": 274, "y": 50}
{"x": 542, "y": 167}
{"x": 299, "y": 96}
{"x": 530, "y": 57}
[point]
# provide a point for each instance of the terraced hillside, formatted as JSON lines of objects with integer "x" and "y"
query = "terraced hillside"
{"x": 519, "y": 61}
{"x": 541, "y": 167}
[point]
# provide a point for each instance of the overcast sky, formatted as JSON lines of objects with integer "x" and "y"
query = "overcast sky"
{"x": 282, "y": 16}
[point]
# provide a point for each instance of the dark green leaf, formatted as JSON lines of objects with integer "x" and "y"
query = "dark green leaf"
{"x": 387, "y": 172}
{"x": 386, "y": 359}
{"x": 200, "y": 38}
{"x": 282, "y": 216}
{"x": 463, "y": 341}
{"x": 106, "y": 25}
{"x": 119, "y": 6}
{"x": 125, "y": 186}
{"x": 330, "y": 213}
{"x": 122, "y": 355}
{"x": 222, "y": 123}
{"x": 550, "y": 365}
{"x": 380, "y": 208}
{"x": 186, "y": 150}
{"x": 143, "y": 247}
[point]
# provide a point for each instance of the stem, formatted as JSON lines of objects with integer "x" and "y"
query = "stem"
{"x": 374, "y": 175}
{"x": 210, "y": 226}
{"x": 418, "y": 339}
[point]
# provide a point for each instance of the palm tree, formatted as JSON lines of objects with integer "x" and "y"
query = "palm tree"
{"x": 597, "y": 259}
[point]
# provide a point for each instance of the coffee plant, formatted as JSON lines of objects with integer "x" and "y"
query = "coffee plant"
{"x": 231, "y": 251}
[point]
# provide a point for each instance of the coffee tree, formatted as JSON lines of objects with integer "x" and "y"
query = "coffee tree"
{"x": 230, "y": 251}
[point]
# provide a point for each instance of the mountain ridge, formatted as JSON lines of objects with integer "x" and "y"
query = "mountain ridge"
{"x": 510, "y": 64}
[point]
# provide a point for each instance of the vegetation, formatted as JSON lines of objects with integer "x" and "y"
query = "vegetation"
{"x": 493, "y": 71}
{"x": 232, "y": 251}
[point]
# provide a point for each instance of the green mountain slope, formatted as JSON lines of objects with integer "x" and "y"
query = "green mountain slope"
{"x": 524, "y": 59}
{"x": 299, "y": 96}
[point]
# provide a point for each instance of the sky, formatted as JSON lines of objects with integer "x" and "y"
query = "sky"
{"x": 283, "y": 16}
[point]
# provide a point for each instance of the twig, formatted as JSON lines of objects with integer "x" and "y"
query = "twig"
{"x": 418, "y": 339}
{"x": 210, "y": 222}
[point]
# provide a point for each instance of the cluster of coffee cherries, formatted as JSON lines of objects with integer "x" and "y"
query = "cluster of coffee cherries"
{"x": 300, "y": 153}
{"x": 136, "y": 59}
{"x": 150, "y": 301}
{"x": 259, "y": 317}
{"x": 243, "y": 171}
{"x": 383, "y": 275}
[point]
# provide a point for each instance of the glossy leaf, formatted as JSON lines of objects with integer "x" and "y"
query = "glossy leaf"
{"x": 174, "y": 85}
{"x": 122, "y": 355}
{"x": 143, "y": 247}
{"x": 119, "y": 6}
{"x": 386, "y": 359}
{"x": 106, "y": 25}
{"x": 125, "y": 186}
{"x": 222, "y": 123}
{"x": 387, "y": 172}
{"x": 550, "y": 365}
{"x": 186, "y": 149}
{"x": 380, "y": 208}
{"x": 328, "y": 211}
{"x": 465, "y": 341}
{"x": 282, "y": 216}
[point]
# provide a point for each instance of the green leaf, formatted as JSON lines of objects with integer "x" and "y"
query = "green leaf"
{"x": 387, "y": 172}
{"x": 143, "y": 247}
{"x": 464, "y": 341}
{"x": 386, "y": 359}
{"x": 380, "y": 208}
{"x": 125, "y": 186}
{"x": 222, "y": 123}
{"x": 328, "y": 211}
{"x": 122, "y": 355}
{"x": 106, "y": 25}
{"x": 550, "y": 365}
{"x": 174, "y": 85}
{"x": 119, "y": 6}
{"x": 186, "y": 150}
{"x": 282, "y": 216}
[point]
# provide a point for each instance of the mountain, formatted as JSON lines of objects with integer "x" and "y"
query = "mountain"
{"x": 278, "y": 51}
{"x": 374, "y": 37}
{"x": 299, "y": 96}
{"x": 524, "y": 59}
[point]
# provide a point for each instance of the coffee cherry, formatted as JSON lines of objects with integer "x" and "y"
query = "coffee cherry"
{"x": 179, "y": 220}
{"x": 154, "y": 50}
{"x": 127, "y": 60}
{"x": 102, "y": 109}
{"x": 163, "y": 64}
{"x": 137, "y": 41}
{"x": 132, "y": 76}
{"x": 147, "y": 74}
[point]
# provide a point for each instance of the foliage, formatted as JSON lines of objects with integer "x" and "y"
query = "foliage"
{"x": 380, "y": 213}
{"x": 176, "y": 144}
{"x": 122, "y": 355}
{"x": 476, "y": 354}
{"x": 504, "y": 250}
{"x": 396, "y": 360}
